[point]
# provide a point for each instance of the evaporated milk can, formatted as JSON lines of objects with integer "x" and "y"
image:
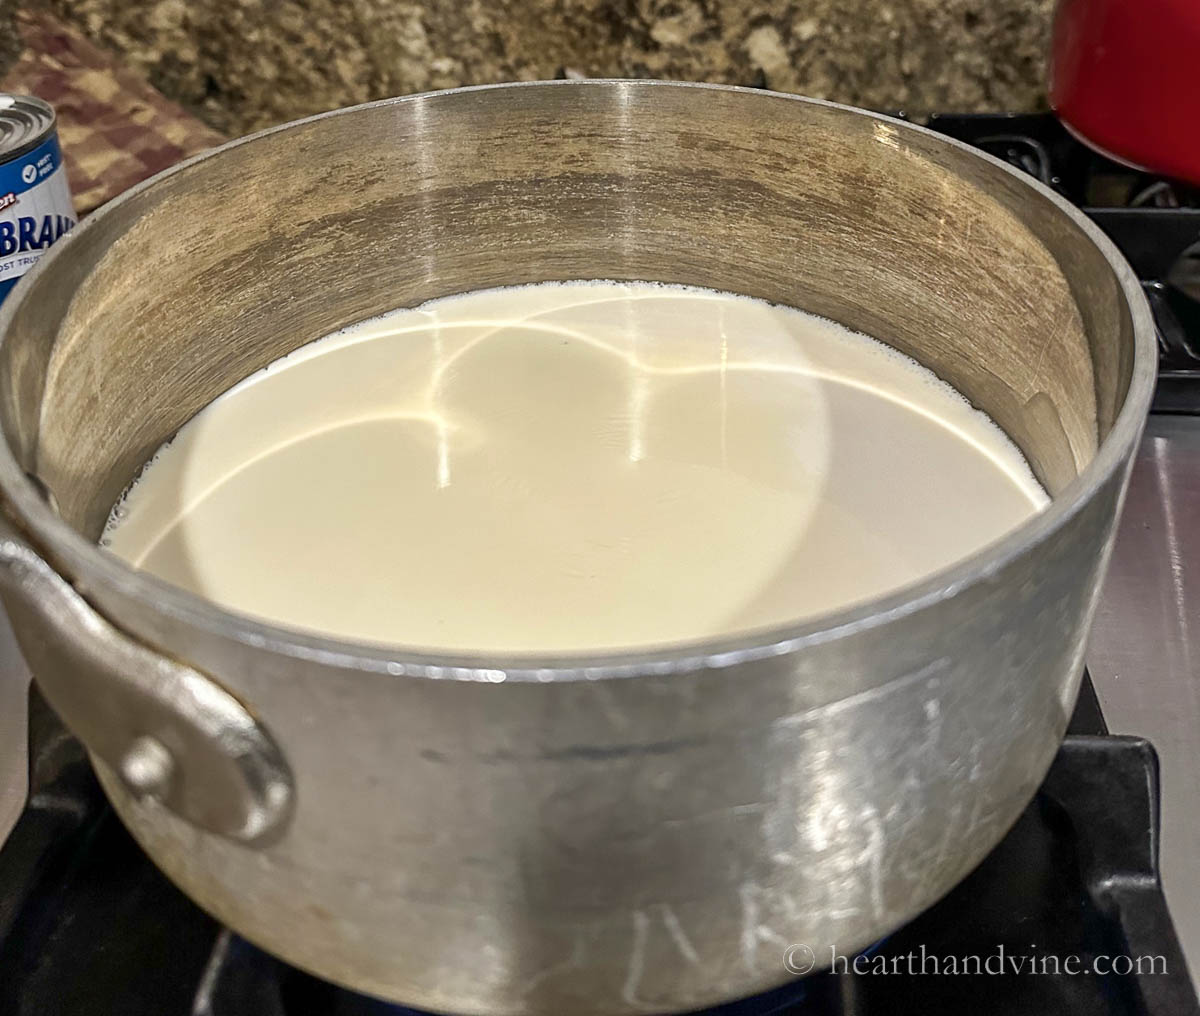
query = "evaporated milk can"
{"x": 35, "y": 201}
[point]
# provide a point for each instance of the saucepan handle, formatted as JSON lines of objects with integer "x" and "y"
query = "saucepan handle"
{"x": 170, "y": 733}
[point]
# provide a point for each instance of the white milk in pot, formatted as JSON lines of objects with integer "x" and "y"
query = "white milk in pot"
{"x": 567, "y": 467}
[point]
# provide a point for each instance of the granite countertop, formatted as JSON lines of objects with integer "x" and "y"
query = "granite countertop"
{"x": 245, "y": 64}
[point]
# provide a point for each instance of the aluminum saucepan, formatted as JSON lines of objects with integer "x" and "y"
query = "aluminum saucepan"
{"x": 639, "y": 832}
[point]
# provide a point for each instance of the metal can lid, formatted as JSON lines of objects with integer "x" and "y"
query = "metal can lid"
{"x": 25, "y": 122}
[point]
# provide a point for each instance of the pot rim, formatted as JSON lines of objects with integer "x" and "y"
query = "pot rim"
{"x": 91, "y": 567}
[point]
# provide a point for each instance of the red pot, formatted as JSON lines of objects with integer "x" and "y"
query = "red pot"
{"x": 1125, "y": 76}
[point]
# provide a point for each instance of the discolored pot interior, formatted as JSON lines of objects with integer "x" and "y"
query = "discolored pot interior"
{"x": 225, "y": 265}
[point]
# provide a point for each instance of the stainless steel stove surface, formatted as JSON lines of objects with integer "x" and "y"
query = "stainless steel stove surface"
{"x": 1144, "y": 657}
{"x": 88, "y": 927}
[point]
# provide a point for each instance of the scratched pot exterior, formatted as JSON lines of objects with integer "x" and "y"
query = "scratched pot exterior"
{"x": 636, "y": 833}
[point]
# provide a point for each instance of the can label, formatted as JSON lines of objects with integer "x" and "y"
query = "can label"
{"x": 35, "y": 209}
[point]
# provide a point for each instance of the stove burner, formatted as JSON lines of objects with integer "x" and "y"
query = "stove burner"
{"x": 238, "y": 972}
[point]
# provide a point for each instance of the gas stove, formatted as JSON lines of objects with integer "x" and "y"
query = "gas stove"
{"x": 1067, "y": 915}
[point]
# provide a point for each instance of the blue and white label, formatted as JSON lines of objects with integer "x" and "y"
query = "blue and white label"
{"x": 35, "y": 209}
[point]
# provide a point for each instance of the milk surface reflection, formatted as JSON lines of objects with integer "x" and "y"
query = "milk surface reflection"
{"x": 569, "y": 467}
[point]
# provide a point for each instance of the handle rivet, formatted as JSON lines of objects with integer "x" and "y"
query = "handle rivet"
{"x": 147, "y": 767}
